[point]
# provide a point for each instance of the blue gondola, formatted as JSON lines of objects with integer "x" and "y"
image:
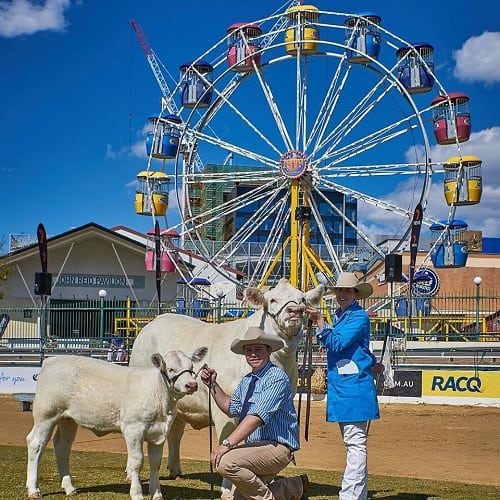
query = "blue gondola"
{"x": 416, "y": 67}
{"x": 451, "y": 249}
{"x": 162, "y": 141}
{"x": 196, "y": 84}
{"x": 362, "y": 36}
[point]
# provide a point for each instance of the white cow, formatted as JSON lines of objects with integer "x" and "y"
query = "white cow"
{"x": 140, "y": 403}
{"x": 280, "y": 313}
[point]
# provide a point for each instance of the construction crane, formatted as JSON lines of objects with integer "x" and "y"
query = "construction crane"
{"x": 169, "y": 102}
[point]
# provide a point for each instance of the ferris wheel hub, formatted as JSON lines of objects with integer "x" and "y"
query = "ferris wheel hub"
{"x": 293, "y": 164}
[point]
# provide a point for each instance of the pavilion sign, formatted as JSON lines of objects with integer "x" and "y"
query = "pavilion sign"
{"x": 100, "y": 280}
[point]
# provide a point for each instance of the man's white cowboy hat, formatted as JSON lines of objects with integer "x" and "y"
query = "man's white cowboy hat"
{"x": 350, "y": 280}
{"x": 256, "y": 335}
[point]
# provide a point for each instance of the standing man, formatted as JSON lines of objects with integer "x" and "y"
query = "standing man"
{"x": 267, "y": 434}
{"x": 352, "y": 395}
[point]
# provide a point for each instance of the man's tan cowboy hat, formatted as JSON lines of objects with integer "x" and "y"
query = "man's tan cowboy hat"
{"x": 256, "y": 335}
{"x": 350, "y": 280}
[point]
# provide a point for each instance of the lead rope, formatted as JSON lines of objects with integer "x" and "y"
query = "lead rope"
{"x": 377, "y": 377}
{"x": 210, "y": 439}
{"x": 309, "y": 375}
{"x": 306, "y": 378}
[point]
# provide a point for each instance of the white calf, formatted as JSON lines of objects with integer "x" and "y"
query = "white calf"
{"x": 141, "y": 403}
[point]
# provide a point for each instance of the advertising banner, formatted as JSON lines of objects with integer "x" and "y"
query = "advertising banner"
{"x": 407, "y": 384}
{"x": 18, "y": 379}
{"x": 463, "y": 384}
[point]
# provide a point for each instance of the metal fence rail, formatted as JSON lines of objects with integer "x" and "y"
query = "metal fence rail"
{"x": 92, "y": 323}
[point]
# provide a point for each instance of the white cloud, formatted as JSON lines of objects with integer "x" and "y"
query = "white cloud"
{"x": 479, "y": 59}
{"x": 24, "y": 17}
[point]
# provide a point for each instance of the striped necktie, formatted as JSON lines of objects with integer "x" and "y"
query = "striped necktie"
{"x": 251, "y": 388}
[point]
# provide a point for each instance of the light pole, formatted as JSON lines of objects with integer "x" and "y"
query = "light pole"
{"x": 220, "y": 295}
{"x": 102, "y": 296}
{"x": 477, "y": 281}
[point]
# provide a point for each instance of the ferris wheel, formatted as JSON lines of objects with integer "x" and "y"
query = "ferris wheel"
{"x": 294, "y": 129}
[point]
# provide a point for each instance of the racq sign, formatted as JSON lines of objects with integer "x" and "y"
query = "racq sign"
{"x": 472, "y": 384}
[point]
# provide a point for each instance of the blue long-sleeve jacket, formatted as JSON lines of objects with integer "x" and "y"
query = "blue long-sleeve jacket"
{"x": 352, "y": 395}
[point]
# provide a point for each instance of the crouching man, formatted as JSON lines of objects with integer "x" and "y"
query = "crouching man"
{"x": 267, "y": 434}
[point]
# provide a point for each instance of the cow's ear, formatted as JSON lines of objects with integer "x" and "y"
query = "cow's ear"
{"x": 313, "y": 297}
{"x": 158, "y": 361}
{"x": 255, "y": 296}
{"x": 199, "y": 354}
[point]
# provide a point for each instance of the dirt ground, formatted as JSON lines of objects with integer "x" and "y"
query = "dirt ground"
{"x": 451, "y": 443}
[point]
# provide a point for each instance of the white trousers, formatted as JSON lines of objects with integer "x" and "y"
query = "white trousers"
{"x": 355, "y": 480}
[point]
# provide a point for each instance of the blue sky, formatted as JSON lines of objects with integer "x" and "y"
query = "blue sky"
{"x": 76, "y": 90}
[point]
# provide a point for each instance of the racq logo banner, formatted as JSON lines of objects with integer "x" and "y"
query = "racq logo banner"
{"x": 473, "y": 384}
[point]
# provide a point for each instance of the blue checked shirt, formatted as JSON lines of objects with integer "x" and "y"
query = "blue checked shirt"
{"x": 272, "y": 401}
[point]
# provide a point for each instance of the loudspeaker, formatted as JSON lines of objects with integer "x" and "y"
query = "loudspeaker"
{"x": 393, "y": 267}
{"x": 43, "y": 283}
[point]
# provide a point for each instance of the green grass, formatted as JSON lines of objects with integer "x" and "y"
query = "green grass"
{"x": 102, "y": 476}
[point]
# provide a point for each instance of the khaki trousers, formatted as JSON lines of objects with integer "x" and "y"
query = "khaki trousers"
{"x": 251, "y": 466}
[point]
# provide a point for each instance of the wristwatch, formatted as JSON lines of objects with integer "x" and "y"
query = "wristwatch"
{"x": 226, "y": 443}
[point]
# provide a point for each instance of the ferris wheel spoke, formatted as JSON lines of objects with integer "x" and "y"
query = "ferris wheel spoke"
{"x": 348, "y": 221}
{"x": 215, "y": 141}
{"x": 231, "y": 206}
{"x": 356, "y": 115}
{"x": 328, "y": 106}
{"x": 324, "y": 233}
{"x": 271, "y": 102}
{"x": 376, "y": 202}
{"x": 271, "y": 206}
{"x": 270, "y": 247}
{"x": 224, "y": 101}
{"x": 380, "y": 170}
{"x": 364, "y": 144}
{"x": 300, "y": 103}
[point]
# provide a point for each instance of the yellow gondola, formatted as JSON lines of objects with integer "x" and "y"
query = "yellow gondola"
{"x": 302, "y": 34}
{"x": 151, "y": 196}
{"x": 468, "y": 189}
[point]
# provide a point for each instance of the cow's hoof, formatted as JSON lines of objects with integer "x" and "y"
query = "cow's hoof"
{"x": 175, "y": 477}
{"x": 36, "y": 494}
